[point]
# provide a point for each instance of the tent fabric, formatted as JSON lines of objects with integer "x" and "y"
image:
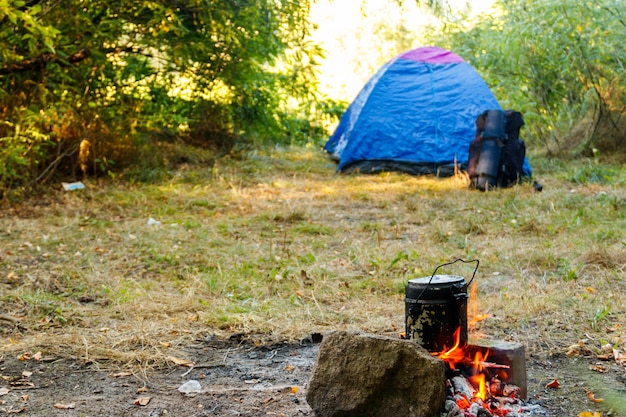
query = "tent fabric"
{"x": 416, "y": 114}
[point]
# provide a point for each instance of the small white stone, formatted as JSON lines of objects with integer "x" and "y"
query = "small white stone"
{"x": 190, "y": 388}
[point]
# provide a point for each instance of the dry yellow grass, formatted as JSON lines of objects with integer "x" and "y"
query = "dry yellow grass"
{"x": 277, "y": 246}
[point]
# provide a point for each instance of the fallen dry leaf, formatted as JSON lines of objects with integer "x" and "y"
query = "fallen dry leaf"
{"x": 592, "y": 397}
{"x": 19, "y": 410}
{"x": 179, "y": 361}
{"x": 27, "y": 374}
{"x": 589, "y": 414}
{"x": 615, "y": 328}
{"x": 143, "y": 401}
{"x": 573, "y": 350}
{"x": 289, "y": 368}
{"x": 142, "y": 389}
{"x": 69, "y": 406}
{"x": 553, "y": 384}
{"x": 38, "y": 356}
{"x": 580, "y": 349}
{"x": 25, "y": 397}
{"x": 24, "y": 357}
{"x": 597, "y": 368}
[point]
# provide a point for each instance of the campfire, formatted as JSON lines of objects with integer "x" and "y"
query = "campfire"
{"x": 485, "y": 379}
{"x": 479, "y": 387}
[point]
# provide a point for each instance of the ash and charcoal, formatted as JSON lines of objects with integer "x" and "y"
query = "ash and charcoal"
{"x": 502, "y": 400}
{"x": 478, "y": 410}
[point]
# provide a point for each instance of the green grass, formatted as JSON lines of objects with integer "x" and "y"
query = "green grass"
{"x": 278, "y": 246}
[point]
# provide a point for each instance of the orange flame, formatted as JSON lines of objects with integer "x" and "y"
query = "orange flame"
{"x": 483, "y": 378}
{"x": 479, "y": 381}
{"x": 479, "y": 359}
{"x": 457, "y": 354}
{"x": 453, "y": 355}
{"x": 473, "y": 313}
{"x": 479, "y": 378}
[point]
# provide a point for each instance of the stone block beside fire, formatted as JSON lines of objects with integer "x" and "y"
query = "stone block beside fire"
{"x": 365, "y": 375}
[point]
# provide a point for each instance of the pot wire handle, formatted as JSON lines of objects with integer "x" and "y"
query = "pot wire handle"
{"x": 446, "y": 264}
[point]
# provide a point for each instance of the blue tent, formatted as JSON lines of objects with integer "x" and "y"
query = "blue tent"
{"x": 416, "y": 114}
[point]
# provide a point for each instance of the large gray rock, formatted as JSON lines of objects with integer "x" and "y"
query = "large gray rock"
{"x": 362, "y": 375}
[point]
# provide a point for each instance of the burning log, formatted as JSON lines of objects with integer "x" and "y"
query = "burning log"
{"x": 498, "y": 388}
{"x": 505, "y": 365}
{"x": 495, "y": 387}
{"x": 481, "y": 388}
{"x": 512, "y": 358}
{"x": 501, "y": 401}
{"x": 493, "y": 365}
{"x": 462, "y": 386}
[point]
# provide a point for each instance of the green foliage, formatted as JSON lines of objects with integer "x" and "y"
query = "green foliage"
{"x": 594, "y": 173}
{"x": 567, "y": 272}
{"x": 89, "y": 89}
{"x": 560, "y": 63}
{"x": 600, "y": 314}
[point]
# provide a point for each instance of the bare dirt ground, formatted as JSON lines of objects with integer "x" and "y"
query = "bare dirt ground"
{"x": 240, "y": 379}
{"x": 236, "y": 380}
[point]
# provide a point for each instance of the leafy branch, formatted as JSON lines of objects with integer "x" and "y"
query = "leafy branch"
{"x": 40, "y": 62}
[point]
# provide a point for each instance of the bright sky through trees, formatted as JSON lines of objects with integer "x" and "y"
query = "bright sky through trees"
{"x": 360, "y": 36}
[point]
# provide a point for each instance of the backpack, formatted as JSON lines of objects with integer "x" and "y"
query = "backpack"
{"x": 496, "y": 155}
